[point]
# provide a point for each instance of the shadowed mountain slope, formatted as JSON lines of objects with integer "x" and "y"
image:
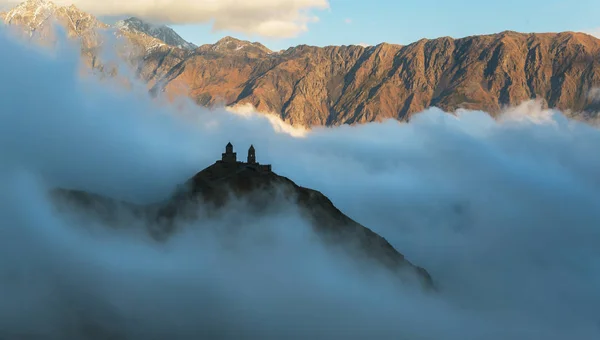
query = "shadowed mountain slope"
{"x": 212, "y": 192}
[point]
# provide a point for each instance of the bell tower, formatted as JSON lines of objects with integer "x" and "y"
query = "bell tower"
{"x": 229, "y": 156}
{"x": 251, "y": 155}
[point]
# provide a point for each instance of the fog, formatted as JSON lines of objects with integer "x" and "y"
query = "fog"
{"x": 595, "y": 94}
{"x": 504, "y": 214}
{"x": 265, "y": 18}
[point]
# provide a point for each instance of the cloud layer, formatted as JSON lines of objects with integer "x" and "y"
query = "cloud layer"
{"x": 595, "y": 32}
{"x": 267, "y": 18}
{"x": 594, "y": 94}
{"x": 504, "y": 214}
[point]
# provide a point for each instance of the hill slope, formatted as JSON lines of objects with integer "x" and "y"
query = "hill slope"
{"x": 215, "y": 187}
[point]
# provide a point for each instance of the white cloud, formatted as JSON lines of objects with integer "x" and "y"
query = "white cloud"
{"x": 348, "y": 21}
{"x": 594, "y": 31}
{"x": 529, "y": 111}
{"x": 268, "y": 18}
{"x": 363, "y": 44}
{"x": 594, "y": 94}
{"x": 504, "y": 214}
{"x": 249, "y": 111}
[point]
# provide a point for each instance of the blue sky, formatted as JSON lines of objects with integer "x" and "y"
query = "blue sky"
{"x": 406, "y": 21}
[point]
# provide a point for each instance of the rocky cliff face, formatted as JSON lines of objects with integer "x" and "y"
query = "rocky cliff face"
{"x": 160, "y": 32}
{"x": 311, "y": 86}
{"x": 351, "y": 84}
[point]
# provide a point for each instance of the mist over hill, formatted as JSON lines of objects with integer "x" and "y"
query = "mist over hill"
{"x": 503, "y": 213}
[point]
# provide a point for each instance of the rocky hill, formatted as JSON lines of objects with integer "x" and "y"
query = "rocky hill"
{"x": 263, "y": 191}
{"x": 333, "y": 85}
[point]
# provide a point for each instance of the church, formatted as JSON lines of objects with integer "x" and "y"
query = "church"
{"x": 230, "y": 157}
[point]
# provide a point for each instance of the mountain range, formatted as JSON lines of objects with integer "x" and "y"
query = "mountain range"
{"x": 315, "y": 86}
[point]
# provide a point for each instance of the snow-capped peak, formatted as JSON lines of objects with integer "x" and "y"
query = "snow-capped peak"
{"x": 37, "y": 10}
{"x": 229, "y": 44}
{"x": 160, "y": 32}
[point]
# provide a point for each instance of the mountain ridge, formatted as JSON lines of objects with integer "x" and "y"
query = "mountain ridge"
{"x": 233, "y": 46}
{"x": 34, "y": 15}
{"x": 350, "y": 84}
{"x": 161, "y": 32}
{"x": 336, "y": 85}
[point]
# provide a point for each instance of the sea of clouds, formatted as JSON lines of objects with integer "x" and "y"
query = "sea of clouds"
{"x": 504, "y": 214}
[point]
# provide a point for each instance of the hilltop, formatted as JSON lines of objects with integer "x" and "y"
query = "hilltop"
{"x": 228, "y": 179}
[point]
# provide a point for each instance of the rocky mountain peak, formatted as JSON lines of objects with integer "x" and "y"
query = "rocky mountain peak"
{"x": 161, "y": 32}
{"x": 228, "y": 39}
{"x": 34, "y": 15}
{"x": 231, "y": 45}
{"x": 35, "y": 11}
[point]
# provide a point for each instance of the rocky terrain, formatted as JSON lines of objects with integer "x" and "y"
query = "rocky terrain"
{"x": 160, "y": 32}
{"x": 336, "y": 85}
{"x": 263, "y": 193}
{"x": 333, "y": 85}
{"x": 37, "y": 20}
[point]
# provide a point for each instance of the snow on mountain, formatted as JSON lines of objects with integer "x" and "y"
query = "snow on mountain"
{"x": 36, "y": 18}
{"x": 160, "y": 32}
{"x": 35, "y": 11}
{"x": 233, "y": 46}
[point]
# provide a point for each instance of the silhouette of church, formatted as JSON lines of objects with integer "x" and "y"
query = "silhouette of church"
{"x": 230, "y": 157}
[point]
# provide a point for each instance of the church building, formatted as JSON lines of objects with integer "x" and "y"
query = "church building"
{"x": 230, "y": 157}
